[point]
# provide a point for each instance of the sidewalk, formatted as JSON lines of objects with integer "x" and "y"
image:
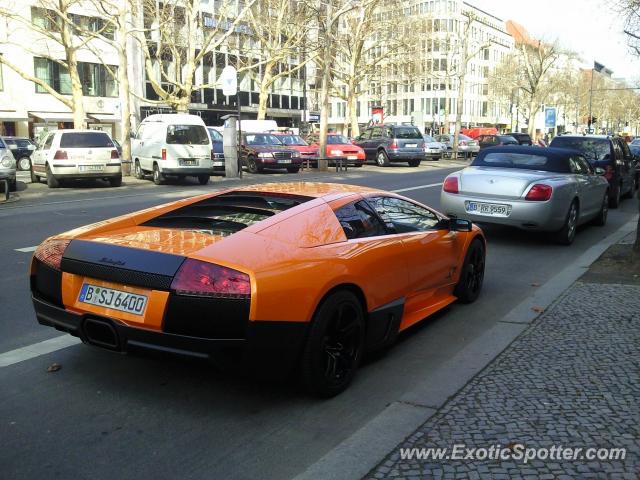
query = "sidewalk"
{"x": 572, "y": 379}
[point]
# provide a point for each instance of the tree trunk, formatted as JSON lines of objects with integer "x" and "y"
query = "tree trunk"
{"x": 265, "y": 84}
{"x": 353, "y": 116}
{"x": 533, "y": 110}
{"x": 123, "y": 91}
{"x": 76, "y": 84}
{"x": 323, "y": 165}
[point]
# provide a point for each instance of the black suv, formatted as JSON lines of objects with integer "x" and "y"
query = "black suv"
{"x": 486, "y": 141}
{"x": 22, "y": 148}
{"x": 612, "y": 154}
{"x": 392, "y": 143}
{"x": 521, "y": 138}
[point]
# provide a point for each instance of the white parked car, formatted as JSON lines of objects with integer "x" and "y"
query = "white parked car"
{"x": 76, "y": 154}
{"x": 172, "y": 145}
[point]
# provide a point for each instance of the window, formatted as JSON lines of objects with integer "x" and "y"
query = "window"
{"x": 359, "y": 221}
{"x": 44, "y": 19}
{"x": 187, "y": 135}
{"x": 85, "y": 140}
{"x": 403, "y": 216}
{"x": 580, "y": 166}
{"x": 48, "y": 142}
{"x": 376, "y": 132}
{"x": 366, "y": 135}
{"x": 96, "y": 80}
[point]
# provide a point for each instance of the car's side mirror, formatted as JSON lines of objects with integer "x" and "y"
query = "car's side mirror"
{"x": 599, "y": 171}
{"x": 460, "y": 225}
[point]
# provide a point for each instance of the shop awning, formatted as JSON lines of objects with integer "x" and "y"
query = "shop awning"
{"x": 103, "y": 117}
{"x": 53, "y": 117}
{"x": 12, "y": 116}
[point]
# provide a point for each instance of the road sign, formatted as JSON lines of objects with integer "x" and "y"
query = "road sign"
{"x": 229, "y": 79}
{"x": 550, "y": 117}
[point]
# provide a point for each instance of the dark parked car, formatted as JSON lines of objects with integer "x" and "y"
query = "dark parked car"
{"x": 260, "y": 151}
{"x": 635, "y": 153}
{"x": 609, "y": 153}
{"x": 392, "y": 143}
{"x": 217, "y": 150}
{"x": 22, "y": 148}
{"x": 521, "y": 138}
{"x": 486, "y": 141}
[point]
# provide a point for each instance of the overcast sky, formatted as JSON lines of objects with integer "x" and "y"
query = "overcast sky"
{"x": 589, "y": 27}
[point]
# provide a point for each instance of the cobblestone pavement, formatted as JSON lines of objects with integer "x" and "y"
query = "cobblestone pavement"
{"x": 571, "y": 379}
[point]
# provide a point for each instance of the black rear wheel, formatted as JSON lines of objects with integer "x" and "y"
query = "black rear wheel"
{"x": 614, "y": 197}
{"x": 252, "y": 165}
{"x": 115, "y": 181}
{"x": 203, "y": 179}
{"x": 137, "y": 170}
{"x": 414, "y": 163}
{"x": 158, "y": 177}
{"x": 470, "y": 284}
{"x": 34, "y": 178}
{"x": 293, "y": 169}
{"x": 382, "y": 159}
{"x": 52, "y": 181}
{"x": 335, "y": 345}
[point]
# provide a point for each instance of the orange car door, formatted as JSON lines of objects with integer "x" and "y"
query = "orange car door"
{"x": 430, "y": 252}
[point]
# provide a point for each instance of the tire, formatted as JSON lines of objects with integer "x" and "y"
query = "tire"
{"x": 614, "y": 197}
{"x": 34, "y": 178}
{"x": 293, "y": 169}
{"x": 632, "y": 190}
{"x": 13, "y": 186}
{"x": 158, "y": 177}
{"x": 414, "y": 163}
{"x": 567, "y": 233}
{"x": 252, "y": 165}
{"x": 203, "y": 179}
{"x": 24, "y": 164}
{"x": 382, "y": 159}
{"x": 472, "y": 275}
{"x": 52, "y": 181}
{"x": 137, "y": 170}
{"x": 115, "y": 181}
{"x": 335, "y": 345}
{"x": 601, "y": 218}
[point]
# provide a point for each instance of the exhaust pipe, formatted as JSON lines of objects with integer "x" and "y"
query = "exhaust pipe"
{"x": 101, "y": 333}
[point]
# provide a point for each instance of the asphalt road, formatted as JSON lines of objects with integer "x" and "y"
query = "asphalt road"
{"x": 108, "y": 416}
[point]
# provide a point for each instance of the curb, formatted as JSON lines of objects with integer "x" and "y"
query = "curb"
{"x": 357, "y": 455}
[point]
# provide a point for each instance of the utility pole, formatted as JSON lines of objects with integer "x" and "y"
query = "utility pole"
{"x": 590, "y": 102}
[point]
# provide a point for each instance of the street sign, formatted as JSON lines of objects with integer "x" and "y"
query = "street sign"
{"x": 229, "y": 79}
{"x": 550, "y": 117}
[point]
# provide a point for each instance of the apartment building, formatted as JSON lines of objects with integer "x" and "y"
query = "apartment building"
{"x": 424, "y": 91}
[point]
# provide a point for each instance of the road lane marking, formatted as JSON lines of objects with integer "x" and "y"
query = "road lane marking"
{"x": 417, "y": 188}
{"x": 26, "y": 249}
{"x": 37, "y": 349}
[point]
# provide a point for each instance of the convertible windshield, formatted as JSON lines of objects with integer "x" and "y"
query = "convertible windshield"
{"x": 526, "y": 161}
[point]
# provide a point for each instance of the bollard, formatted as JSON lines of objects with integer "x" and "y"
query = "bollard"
{"x": 6, "y": 188}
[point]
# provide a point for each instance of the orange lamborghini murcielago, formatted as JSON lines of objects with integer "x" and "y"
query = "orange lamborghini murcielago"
{"x": 275, "y": 278}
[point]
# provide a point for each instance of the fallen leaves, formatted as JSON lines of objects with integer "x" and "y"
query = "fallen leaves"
{"x": 537, "y": 309}
{"x": 54, "y": 367}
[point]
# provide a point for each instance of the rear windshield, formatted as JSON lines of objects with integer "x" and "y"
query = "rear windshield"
{"x": 338, "y": 140}
{"x": 407, "y": 132}
{"x": 594, "y": 149}
{"x": 526, "y": 161}
{"x": 85, "y": 140}
{"x": 215, "y": 135}
{"x": 227, "y": 213}
{"x": 292, "y": 140}
{"x": 187, "y": 135}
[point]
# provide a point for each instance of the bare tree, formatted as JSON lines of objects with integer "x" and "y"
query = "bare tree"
{"x": 281, "y": 37}
{"x": 176, "y": 38}
{"x": 56, "y": 41}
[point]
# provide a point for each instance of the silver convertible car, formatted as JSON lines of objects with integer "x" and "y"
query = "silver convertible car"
{"x": 532, "y": 188}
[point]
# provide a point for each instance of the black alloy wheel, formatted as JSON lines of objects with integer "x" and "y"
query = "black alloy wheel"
{"x": 335, "y": 345}
{"x": 470, "y": 284}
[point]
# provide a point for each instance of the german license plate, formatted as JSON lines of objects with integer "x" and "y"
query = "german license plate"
{"x": 352, "y": 157}
{"x": 90, "y": 168}
{"x": 284, "y": 161}
{"x": 490, "y": 209}
{"x": 411, "y": 145}
{"x": 189, "y": 163}
{"x": 218, "y": 164}
{"x": 111, "y": 298}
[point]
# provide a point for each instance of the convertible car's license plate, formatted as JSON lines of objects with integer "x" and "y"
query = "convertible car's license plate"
{"x": 491, "y": 209}
{"x": 111, "y": 298}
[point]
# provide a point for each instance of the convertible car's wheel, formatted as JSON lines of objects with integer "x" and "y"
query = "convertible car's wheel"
{"x": 382, "y": 159}
{"x": 601, "y": 219}
{"x": 567, "y": 233}
{"x": 614, "y": 197}
{"x": 335, "y": 345}
{"x": 468, "y": 288}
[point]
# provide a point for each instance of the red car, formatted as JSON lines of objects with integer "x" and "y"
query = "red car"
{"x": 295, "y": 142}
{"x": 341, "y": 146}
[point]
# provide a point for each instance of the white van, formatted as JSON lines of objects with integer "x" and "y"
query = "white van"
{"x": 172, "y": 144}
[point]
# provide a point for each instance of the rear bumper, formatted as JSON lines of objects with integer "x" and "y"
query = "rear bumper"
{"x": 188, "y": 171}
{"x": 269, "y": 350}
{"x": 403, "y": 155}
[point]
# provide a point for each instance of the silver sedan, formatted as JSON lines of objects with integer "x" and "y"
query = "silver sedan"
{"x": 531, "y": 188}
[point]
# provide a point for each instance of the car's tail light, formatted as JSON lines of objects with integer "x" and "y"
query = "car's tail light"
{"x": 164, "y": 154}
{"x": 201, "y": 278}
{"x": 115, "y": 155}
{"x": 50, "y": 252}
{"x": 609, "y": 172}
{"x": 450, "y": 185}
{"x": 539, "y": 193}
{"x": 393, "y": 145}
{"x": 60, "y": 155}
